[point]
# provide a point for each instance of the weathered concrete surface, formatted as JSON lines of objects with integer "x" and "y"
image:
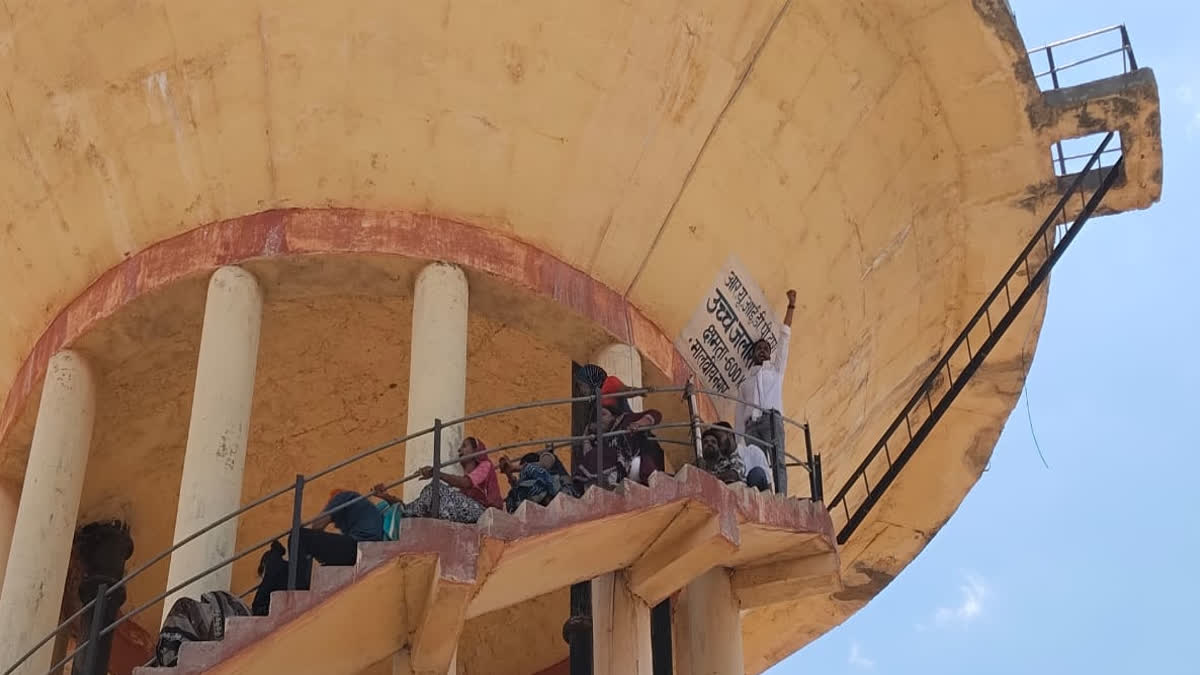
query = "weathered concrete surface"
{"x": 882, "y": 158}
{"x": 706, "y": 636}
{"x": 620, "y": 628}
{"x": 330, "y": 382}
{"x": 420, "y": 589}
{"x": 1125, "y": 103}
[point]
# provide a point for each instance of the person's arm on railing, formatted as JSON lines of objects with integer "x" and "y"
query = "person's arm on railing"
{"x": 381, "y": 492}
{"x": 460, "y": 482}
{"x": 510, "y": 472}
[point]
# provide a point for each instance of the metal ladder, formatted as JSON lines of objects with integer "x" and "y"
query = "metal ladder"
{"x": 912, "y": 426}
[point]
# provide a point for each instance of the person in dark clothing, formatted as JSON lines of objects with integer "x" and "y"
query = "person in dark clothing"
{"x": 531, "y": 480}
{"x": 718, "y": 459}
{"x": 357, "y": 519}
{"x": 622, "y": 457}
{"x": 595, "y": 379}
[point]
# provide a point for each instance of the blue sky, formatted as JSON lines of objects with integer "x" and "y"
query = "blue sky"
{"x": 1088, "y": 566}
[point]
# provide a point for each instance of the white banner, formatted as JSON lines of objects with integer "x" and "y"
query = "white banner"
{"x": 716, "y": 341}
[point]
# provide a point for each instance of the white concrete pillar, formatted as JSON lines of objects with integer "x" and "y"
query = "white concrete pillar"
{"x": 620, "y": 629}
{"x": 625, "y": 363}
{"x": 9, "y": 495}
{"x": 211, "y": 484}
{"x": 707, "y": 627}
{"x": 437, "y": 376}
{"x": 41, "y": 542}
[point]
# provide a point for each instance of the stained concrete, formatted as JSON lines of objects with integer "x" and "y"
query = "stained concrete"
{"x": 880, "y": 158}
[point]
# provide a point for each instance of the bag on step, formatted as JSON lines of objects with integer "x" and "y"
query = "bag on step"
{"x": 191, "y": 621}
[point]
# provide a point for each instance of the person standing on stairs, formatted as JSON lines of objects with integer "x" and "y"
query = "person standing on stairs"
{"x": 761, "y": 406}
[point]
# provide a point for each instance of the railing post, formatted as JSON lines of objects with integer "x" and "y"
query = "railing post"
{"x": 435, "y": 495}
{"x": 779, "y": 457}
{"x": 598, "y": 406}
{"x": 93, "y": 639}
{"x": 1128, "y": 48}
{"x": 694, "y": 418}
{"x": 812, "y": 466}
{"x": 294, "y": 539}
{"x": 819, "y": 479}
{"x": 1062, "y": 162}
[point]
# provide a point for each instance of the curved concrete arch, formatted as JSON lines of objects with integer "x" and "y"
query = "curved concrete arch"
{"x": 296, "y": 232}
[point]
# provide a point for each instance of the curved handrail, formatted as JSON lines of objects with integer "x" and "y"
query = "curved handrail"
{"x": 693, "y": 424}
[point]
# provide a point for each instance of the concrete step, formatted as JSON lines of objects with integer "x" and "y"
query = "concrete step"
{"x": 419, "y": 590}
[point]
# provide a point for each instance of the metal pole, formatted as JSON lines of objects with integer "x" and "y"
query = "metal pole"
{"x": 660, "y": 639}
{"x": 820, "y": 481}
{"x": 599, "y": 439}
{"x": 294, "y": 540}
{"x": 780, "y": 460}
{"x": 93, "y": 640}
{"x": 1128, "y": 47}
{"x": 577, "y": 631}
{"x": 694, "y": 418}
{"x": 1062, "y": 162}
{"x": 435, "y": 496}
{"x": 812, "y": 466}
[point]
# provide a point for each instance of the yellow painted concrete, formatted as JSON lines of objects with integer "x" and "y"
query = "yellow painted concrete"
{"x": 882, "y": 159}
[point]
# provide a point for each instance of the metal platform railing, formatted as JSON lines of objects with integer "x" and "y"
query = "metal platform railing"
{"x": 89, "y": 647}
{"x": 943, "y": 384}
{"x": 1053, "y": 69}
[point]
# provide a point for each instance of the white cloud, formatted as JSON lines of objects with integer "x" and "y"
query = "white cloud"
{"x": 858, "y": 659}
{"x": 974, "y": 591}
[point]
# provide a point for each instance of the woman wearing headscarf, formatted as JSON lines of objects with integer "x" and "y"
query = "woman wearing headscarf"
{"x": 461, "y": 499}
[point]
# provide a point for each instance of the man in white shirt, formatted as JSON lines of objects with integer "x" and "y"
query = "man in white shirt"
{"x": 761, "y": 393}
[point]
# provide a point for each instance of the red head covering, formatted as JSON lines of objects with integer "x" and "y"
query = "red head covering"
{"x": 611, "y": 385}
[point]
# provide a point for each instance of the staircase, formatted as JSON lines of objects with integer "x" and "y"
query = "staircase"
{"x": 413, "y": 596}
{"x": 961, "y": 360}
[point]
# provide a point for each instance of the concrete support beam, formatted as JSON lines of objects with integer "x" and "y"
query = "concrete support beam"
{"x": 620, "y": 629}
{"x": 707, "y": 632}
{"x": 437, "y": 378}
{"x": 696, "y": 541}
{"x": 787, "y": 580}
{"x": 612, "y": 645}
{"x": 211, "y": 484}
{"x": 45, "y": 526}
{"x": 435, "y": 641}
{"x": 9, "y": 499}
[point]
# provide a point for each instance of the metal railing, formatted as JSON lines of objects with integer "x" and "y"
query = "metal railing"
{"x": 694, "y": 425}
{"x": 932, "y": 399}
{"x": 1052, "y": 70}
{"x": 1128, "y": 60}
